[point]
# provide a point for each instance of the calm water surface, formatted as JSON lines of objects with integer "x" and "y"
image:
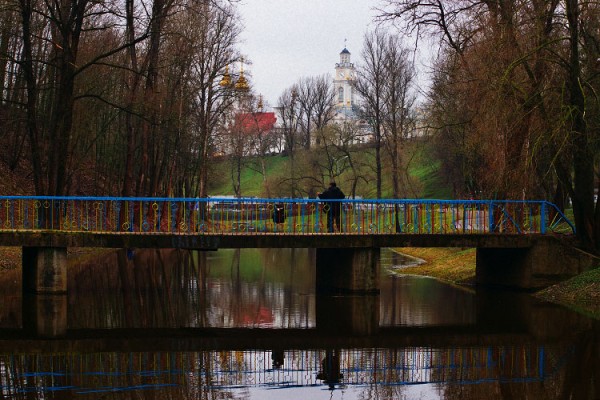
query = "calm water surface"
{"x": 247, "y": 324}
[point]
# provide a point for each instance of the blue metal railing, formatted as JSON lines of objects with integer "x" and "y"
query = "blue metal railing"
{"x": 108, "y": 372}
{"x": 253, "y": 216}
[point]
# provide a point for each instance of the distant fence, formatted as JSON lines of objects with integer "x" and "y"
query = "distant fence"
{"x": 255, "y": 216}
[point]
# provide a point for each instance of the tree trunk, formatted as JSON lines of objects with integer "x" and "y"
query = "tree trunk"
{"x": 378, "y": 158}
{"x": 128, "y": 180}
{"x": 35, "y": 143}
{"x": 583, "y": 164}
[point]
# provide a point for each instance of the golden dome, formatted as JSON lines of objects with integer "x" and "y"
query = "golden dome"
{"x": 242, "y": 83}
{"x": 226, "y": 81}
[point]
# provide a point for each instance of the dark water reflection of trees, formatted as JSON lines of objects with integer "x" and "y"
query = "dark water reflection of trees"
{"x": 514, "y": 346}
{"x": 237, "y": 288}
{"x": 169, "y": 288}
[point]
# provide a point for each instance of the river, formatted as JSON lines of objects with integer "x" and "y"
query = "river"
{"x": 247, "y": 324}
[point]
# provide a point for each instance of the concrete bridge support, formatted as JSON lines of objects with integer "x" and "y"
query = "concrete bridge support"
{"x": 348, "y": 270}
{"x": 44, "y": 270}
{"x": 348, "y": 314}
{"x": 45, "y": 315}
{"x": 45, "y": 291}
{"x": 547, "y": 262}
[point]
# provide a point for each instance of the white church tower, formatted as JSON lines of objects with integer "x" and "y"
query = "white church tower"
{"x": 343, "y": 83}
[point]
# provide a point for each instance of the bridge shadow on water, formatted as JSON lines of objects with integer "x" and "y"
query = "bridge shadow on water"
{"x": 247, "y": 324}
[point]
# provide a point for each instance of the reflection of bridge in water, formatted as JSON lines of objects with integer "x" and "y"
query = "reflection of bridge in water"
{"x": 348, "y": 350}
{"x": 85, "y": 373}
{"x": 207, "y": 360}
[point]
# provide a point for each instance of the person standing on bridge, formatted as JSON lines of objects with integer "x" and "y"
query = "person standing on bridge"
{"x": 333, "y": 206}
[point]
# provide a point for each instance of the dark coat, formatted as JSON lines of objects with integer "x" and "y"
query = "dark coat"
{"x": 332, "y": 208}
{"x": 332, "y": 192}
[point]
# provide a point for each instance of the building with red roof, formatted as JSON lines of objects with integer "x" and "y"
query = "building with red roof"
{"x": 252, "y": 133}
{"x": 256, "y": 121}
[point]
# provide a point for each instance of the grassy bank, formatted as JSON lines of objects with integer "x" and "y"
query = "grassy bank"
{"x": 455, "y": 265}
{"x": 581, "y": 293}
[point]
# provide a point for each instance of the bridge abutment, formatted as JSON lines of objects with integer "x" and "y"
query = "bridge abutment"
{"x": 44, "y": 270}
{"x": 348, "y": 270}
{"x": 503, "y": 267}
{"x": 547, "y": 262}
{"x": 349, "y": 314}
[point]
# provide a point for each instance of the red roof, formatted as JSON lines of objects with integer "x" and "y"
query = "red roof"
{"x": 256, "y": 122}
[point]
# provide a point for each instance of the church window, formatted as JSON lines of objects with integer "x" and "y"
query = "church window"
{"x": 341, "y": 95}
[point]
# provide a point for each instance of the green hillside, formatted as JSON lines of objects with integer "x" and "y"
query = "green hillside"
{"x": 421, "y": 178}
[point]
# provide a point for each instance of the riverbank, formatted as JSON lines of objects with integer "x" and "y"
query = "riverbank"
{"x": 457, "y": 266}
{"x": 453, "y": 265}
{"x": 581, "y": 293}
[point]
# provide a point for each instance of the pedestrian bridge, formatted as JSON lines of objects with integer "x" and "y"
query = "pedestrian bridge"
{"x": 297, "y": 217}
{"x": 516, "y": 240}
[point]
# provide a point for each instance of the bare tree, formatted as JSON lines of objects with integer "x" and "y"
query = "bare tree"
{"x": 398, "y": 106}
{"x": 324, "y": 102}
{"x": 316, "y": 103}
{"x": 289, "y": 113}
{"x": 217, "y": 31}
{"x": 528, "y": 98}
{"x": 447, "y": 18}
{"x": 112, "y": 82}
{"x": 238, "y": 135}
{"x": 370, "y": 84}
{"x": 263, "y": 140}
{"x": 338, "y": 145}
{"x": 51, "y": 34}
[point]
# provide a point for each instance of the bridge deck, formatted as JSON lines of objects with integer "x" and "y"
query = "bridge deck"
{"x": 266, "y": 240}
{"x": 196, "y": 339}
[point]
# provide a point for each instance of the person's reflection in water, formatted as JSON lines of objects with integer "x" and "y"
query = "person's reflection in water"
{"x": 277, "y": 358}
{"x": 330, "y": 369}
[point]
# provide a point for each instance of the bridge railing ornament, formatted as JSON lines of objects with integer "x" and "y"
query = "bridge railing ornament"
{"x": 255, "y": 216}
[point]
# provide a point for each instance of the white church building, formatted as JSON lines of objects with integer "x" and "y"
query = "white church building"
{"x": 346, "y": 111}
{"x": 343, "y": 85}
{"x": 346, "y": 107}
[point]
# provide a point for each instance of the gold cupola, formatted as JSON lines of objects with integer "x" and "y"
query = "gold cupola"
{"x": 242, "y": 83}
{"x": 226, "y": 81}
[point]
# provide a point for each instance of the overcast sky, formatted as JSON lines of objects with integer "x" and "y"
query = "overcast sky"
{"x": 289, "y": 39}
